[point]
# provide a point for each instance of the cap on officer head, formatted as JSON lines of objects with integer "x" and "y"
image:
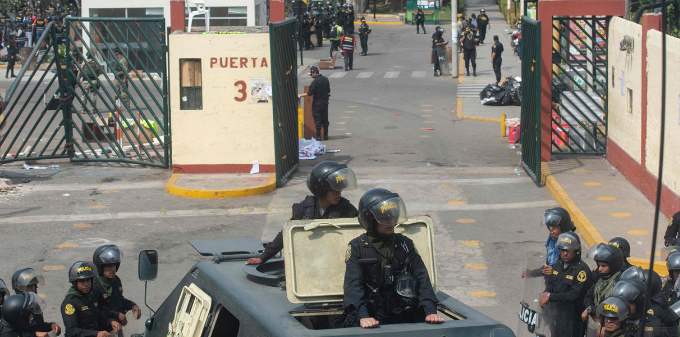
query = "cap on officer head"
{"x": 329, "y": 175}
{"x": 80, "y": 270}
{"x": 614, "y": 307}
{"x": 468, "y": 19}
{"x": 622, "y": 244}
{"x": 610, "y": 255}
{"x": 673, "y": 261}
{"x": 17, "y": 310}
{"x": 568, "y": 241}
{"x": 382, "y": 206}
{"x": 313, "y": 69}
{"x": 107, "y": 254}
{"x": 558, "y": 216}
{"x": 25, "y": 277}
{"x": 634, "y": 273}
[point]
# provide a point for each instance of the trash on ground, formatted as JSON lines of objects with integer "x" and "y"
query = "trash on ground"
{"x": 398, "y": 113}
{"x": 506, "y": 92}
{"x": 428, "y": 129}
{"x": 27, "y": 167}
{"x": 256, "y": 168}
{"x": 310, "y": 148}
{"x": 332, "y": 151}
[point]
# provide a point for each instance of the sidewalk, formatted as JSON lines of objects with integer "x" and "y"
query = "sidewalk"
{"x": 220, "y": 186}
{"x": 603, "y": 205}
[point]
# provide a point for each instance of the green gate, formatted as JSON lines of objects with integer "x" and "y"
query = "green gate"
{"x": 49, "y": 113}
{"x": 579, "y": 118}
{"x": 530, "y": 122}
{"x": 283, "y": 47}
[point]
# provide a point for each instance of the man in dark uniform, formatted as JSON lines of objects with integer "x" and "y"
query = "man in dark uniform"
{"x": 350, "y": 19}
{"x": 28, "y": 280}
{"x": 318, "y": 27}
{"x": 469, "y": 51}
{"x": 566, "y": 288}
{"x": 326, "y": 182}
{"x": 391, "y": 283}
{"x": 364, "y": 30}
{"x": 38, "y": 26}
{"x": 614, "y": 311}
{"x": 3, "y": 293}
{"x": 632, "y": 291}
{"x": 437, "y": 40}
{"x": 113, "y": 304}
{"x": 496, "y": 51}
{"x": 671, "y": 236}
{"x": 658, "y": 316}
{"x": 16, "y": 314}
{"x": 320, "y": 90}
{"x": 307, "y": 31}
{"x": 482, "y": 22}
{"x": 12, "y": 50}
{"x": 420, "y": 20}
{"x": 668, "y": 290}
{"x": 80, "y": 309}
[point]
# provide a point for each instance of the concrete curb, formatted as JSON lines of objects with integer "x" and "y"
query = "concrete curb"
{"x": 183, "y": 192}
{"x": 585, "y": 227}
{"x": 378, "y": 23}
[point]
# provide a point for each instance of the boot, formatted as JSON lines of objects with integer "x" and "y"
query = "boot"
{"x": 325, "y": 132}
{"x": 467, "y": 70}
{"x": 318, "y": 134}
{"x": 474, "y": 71}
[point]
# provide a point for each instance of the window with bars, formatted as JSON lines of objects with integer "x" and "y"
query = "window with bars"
{"x": 190, "y": 90}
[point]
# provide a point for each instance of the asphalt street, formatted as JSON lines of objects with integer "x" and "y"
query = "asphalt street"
{"x": 462, "y": 173}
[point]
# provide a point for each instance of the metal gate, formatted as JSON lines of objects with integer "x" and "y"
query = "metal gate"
{"x": 283, "y": 47}
{"x": 50, "y": 113}
{"x": 530, "y": 122}
{"x": 579, "y": 85}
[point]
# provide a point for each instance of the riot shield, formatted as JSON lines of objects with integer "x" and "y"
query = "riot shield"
{"x": 443, "y": 60}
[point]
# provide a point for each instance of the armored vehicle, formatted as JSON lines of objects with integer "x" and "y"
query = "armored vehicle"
{"x": 295, "y": 294}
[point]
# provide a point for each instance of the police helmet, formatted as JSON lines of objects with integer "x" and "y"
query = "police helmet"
{"x": 351, "y": 7}
{"x": 328, "y": 175}
{"x": 673, "y": 261}
{"x": 3, "y": 290}
{"x": 632, "y": 290}
{"x": 654, "y": 283}
{"x": 420, "y": 9}
{"x": 568, "y": 241}
{"x": 107, "y": 254}
{"x": 17, "y": 309}
{"x": 383, "y": 206}
{"x": 334, "y": 16}
{"x": 25, "y": 277}
{"x": 558, "y": 216}
{"x": 81, "y": 270}
{"x": 634, "y": 273}
{"x": 622, "y": 244}
{"x": 608, "y": 254}
{"x": 614, "y": 307}
{"x": 439, "y": 30}
{"x": 482, "y": 10}
{"x": 305, "y": 15}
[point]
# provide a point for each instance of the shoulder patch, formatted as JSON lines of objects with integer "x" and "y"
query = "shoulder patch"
{"x": 569, "y": 277}
{"x": 106, "y": 296}
{"x": 348, "y": 253}
{"x": 69, "y": 309}
{"x": 650, "y": 311}
{"x": 555, "y": 272}
{"x": 121, "y": 289}
{"x": 582, "y": 277}
{"x": 96, "y": 304}
{"x": 670, "y": 222}
{"x": 84, "y": 308}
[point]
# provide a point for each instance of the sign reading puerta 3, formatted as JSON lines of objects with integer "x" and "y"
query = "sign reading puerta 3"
{"x": 220, "y": 102}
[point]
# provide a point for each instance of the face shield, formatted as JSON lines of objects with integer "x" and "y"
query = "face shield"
{"x": 111, "y": 255}
{"x": 389, "y": 212}
{"x": 33, "y": 303}
{"x": 626, "y": 290}
{"x": 633, "y": 273}
{"x": 675, "y": 309}
{"x": 551, "y": 219}
{"x": 342, "y": 180}
{"x": 667, "y": 251}
{"x": 567, "y": 242}
{"x": 29, "y": 277}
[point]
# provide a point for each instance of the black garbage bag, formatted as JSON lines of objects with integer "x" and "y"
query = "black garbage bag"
{"x": 489, "y": 91}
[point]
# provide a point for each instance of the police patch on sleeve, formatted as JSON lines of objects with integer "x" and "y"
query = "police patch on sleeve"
{"x": 582, "y": 276}
{"x": 69, "y": 309}
{"x": 670, "y": 222}
{"x": 348, "y": 253}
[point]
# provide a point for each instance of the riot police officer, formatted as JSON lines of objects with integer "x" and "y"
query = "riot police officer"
{"x": 671, "y": 236}
{"x": 89, "y": 83}
{"x": 349, "y": 23}
{"x": 623, "y": 245}
{"x": 113, "y": 304}
{"x": 318, "y": 26}
{"x": 566, "y": 287}
{"x": 614, "y": 311}
{"x": 496, "y": 60}
{"x": 307, "y": 31}
{"x": 16, "y": 314}
{"x": 482, "y": 22}
{"x": 80, "y": 309}
{"x": 28, "y": 280}
{"x": 391, "y": 284}
{"x": 668, "y": 290}
{"x": 437, "y": 40}
{"x": 420, "y": 20}
{"x": 632, "y": 291}
{"x": 469, "y": 51}
{"x": 326, "y": 182}
{"x": 610, "y": 265}
{"x": 3, "y": 294}
{"x": 364, "y": 30}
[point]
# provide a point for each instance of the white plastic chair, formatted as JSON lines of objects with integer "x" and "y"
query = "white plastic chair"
{"x": 200, "y": 10}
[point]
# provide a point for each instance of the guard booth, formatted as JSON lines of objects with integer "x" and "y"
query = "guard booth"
{"x": 431, "y": 8}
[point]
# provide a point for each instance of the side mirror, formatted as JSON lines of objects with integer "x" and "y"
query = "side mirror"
{"x": 148, "y": 265}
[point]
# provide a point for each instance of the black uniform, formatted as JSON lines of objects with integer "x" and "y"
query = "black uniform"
{"x": 469, "y": 52}
{"x": 498, "y": 49}
{"x": 364, "y": 30}
{"x": 38, "y": 324}
{"x": 115, "y": 303}
{"x": 82, "y": 315}
{"x": 320, "y": 90}
{"x": 307, "y": 29}
{"x": 309, "y": 209}
{"x": 669, "y": 294}
{"x": 6, "y": 331}
{"x": 567, "y": 288}
{"x": 420, "y": 22}
{"x": 12, "y": 50}
{"x": 367, "y": 295}
{"x": 318, "y": 29}
{"x": 482, "y": 22}
{"x": 436, "y": 38}
{"x": 671, "y": 236}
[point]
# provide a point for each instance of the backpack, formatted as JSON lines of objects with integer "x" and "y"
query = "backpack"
{"x": 334, "y": 32}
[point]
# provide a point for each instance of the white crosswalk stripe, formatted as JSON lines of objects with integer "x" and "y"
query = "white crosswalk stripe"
{"x": 470, "y": 90}
{"x": 392, "y": 74}
{"x": 340, "y": 74}
{"x": 366, "y": 74}
{"x": 418, "y": 74}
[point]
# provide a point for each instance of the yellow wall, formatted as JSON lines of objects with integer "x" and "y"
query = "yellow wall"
{"x": 671, "y": 177}
{"x": 623, "y": 124}
{"x": 225, "y": 131}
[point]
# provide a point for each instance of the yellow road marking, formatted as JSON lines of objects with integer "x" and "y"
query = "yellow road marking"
{"x": 457, "y": 202}
{"x": 448, "y": 186}
{"x": 649, "y": 252}
{"x": 483, "y": 294}
{"x": 473, "y": 243}
{"x": 350, "y": 112}
{"x": 580, "y": 171}
{"x": 428, "y": 122}
{"x": 67, "y": 245}
{"x": 110, "y": 191}
{"x": 606, "y": 198}
{"x": 621, "y": 215}
{"x": 83, "y": 225}
{"x": 352, "y": 106}
{"x": 592, "y": 184}
{"x": 424, "y": 136}
{"x": 477, "y": 266}
{"x": 425, "y": 115}
{"x": 42, "y": 295}
{"x": 425, "y": 110}
{"x": 638, "y": 232}
{"x": 345, "y": 117}
{"x": 97, "y": 207}
{"x": 459, "y": 107}
{"x": 466, "y": 220}
{"x": 341, "y": 123}
{"x": 338, "y": 129}
{"x": 427, "y": 105}
{"x": 53, "y": 268}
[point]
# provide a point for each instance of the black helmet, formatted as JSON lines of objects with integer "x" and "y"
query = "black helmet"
{"x": 615, "y": 307}
{"x": 25, "y": 277}
{"x": 568, "y": 241}
{"x": 622, "y": 244}
{"x": 17, "y": 310}
{"x": 634, "y": 273}
{"x": 3, "y": 290}
{"x": 107, "y": 254}
{"x": 350, "y": 6}
{"x": 330, "y": 175}
{"x": 382, "y": 206}
{"x": 558, "y": 216}
{"x": 439, "y": 30}
{"x": 305, "y": 15}
{"x": 673, "y": 261}
{"x": 81, "y": 270}
{"x": 654, "y": 283}
{"x": 117, "y": 51}
{"x": 632, "y": 290}
{"x": 609, "y": 254}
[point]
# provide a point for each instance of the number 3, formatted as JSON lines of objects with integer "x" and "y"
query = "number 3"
{"x": 242, "y": 91}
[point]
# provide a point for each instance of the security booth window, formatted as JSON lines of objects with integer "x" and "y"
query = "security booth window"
{"x": 190, "y": 89}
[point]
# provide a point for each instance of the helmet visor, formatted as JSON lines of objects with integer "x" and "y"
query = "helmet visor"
{"x": 675, "y": 308}
{"x": 626, "y": 290}
{"x": 633, "y": 272}
{"x": 407, "y": 287}
{"x": 34, "y": 303}
{"x": 567, "y": 242}
{"x": 551, "y": 219}
{"x": 342, "y": 180}
{"x": 391, "y": 211}
{"x": 29, "y": 277}
{"x": 112, "y": 255}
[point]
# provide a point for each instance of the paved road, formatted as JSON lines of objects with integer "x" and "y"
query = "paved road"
{"x": 461, "y": 173}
